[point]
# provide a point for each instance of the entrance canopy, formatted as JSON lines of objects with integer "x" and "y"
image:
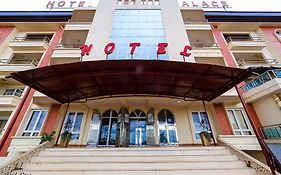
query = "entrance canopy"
{"x": 102, "y": 79}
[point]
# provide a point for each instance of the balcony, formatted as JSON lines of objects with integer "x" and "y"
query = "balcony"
{"x": 246, "y": 63}
{"x": 66, "y": 53}
{"x": 245, "y": 43}
{"x": 7, "y": 66}
{"x": 206, "y": 50}
{"x": 265, "y": 84}
{"x": 29, "y": 43}
{"x": 271, "y": 132}
{"x": 78, "y": 24}
{"x": 10, "y": 97}
{"x": 197, "y": 25}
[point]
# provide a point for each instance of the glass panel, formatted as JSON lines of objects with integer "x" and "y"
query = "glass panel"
{"x": 32, "y": 121}
{"x": 2, "y": 124}
{"x": 232, "y": 119}
{"x": 170, "y": 118}
{"x": 162, "y": 118}
{"x": 133, "y": 127}
{"x": 172, "y": 136}
{"x": 163, "y": 136}
{"x": 142, "y": 127}
{"x": 78, "y": 122}
{"x": 104, "y": 131}
{"x": 41, "y": 120}
{"x": 205, "y": 121}
{"x": 112, "y": 137}
{"x": 241, "y": 119}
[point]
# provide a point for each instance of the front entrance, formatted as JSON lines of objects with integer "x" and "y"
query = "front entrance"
{"x": 137, "y": 128}
{"x": 125, "y": 129}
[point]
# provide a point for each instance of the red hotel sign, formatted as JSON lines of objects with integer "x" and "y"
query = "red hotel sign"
{"x": 110, "y": 47}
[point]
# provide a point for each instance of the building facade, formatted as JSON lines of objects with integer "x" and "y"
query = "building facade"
{"x": 40, "y": 39}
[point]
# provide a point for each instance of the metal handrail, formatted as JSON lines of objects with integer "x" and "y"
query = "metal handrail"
{"x": 33, "y": 62}
{"x": 240, "y": 38}
{"x": 17, "y": 163}
{"x": 261, "y": 79}
{"x": 69, "y": 45}
{"x": 245, "y": 61}
{"x": 207, "y": 45}
{"x": 31, "y": 38}
{"x": 251, "y": 162}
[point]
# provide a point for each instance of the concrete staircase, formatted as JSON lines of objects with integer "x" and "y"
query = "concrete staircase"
{"x": 136, "y": 161}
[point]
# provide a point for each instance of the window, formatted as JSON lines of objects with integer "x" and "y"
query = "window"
{"x": 201, "y": 123}
{"x": 237, "y": 37}
{"x": 35, "y": 123}
{"x": 74, "y": 119}
{"x": 13, "y": 92}
{"x": 2, "y": 125}
{"x": 239, "y": 122}
{"x": 143, "y": 26}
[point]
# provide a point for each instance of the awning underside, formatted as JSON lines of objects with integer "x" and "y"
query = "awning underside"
{"x": 97, "y": 79}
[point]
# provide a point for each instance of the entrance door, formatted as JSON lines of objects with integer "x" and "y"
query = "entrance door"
{"x": 137, "y": 128}
{"x": 108, "y": 128}
{"x": 167, "y": 128}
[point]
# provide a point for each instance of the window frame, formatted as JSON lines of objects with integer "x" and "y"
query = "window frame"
{"x": 73, "y": 124}
{"x": 35, "y": 124}
{"x": 200, "y": 118}
{"x": 245, "y": 117}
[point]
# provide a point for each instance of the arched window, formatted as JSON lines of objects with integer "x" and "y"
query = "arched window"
{"x": 108, "y": 128}
{"x": 167, "y": 127}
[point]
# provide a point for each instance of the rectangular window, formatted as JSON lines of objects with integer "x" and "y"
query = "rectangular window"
{"x": 137, "y": 26}
{"x": 239, "y": 122}
{"x": 35, "y": 123}
{"x": 73, "y": 123}
{"x": 201, "y": 123}
{"x": 13, "y": 92}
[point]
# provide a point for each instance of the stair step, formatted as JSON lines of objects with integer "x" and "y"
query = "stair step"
{"x": 135, "y": 166}
{"x": 133, "y": 153}
{"x": 241, "y": 171}
{"x": 95, "y": 159}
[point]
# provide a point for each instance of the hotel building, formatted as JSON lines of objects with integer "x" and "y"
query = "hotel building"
{"x": 139, "y": 80}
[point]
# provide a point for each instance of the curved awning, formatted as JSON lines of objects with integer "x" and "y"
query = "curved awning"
{"x": 99, "y": 79}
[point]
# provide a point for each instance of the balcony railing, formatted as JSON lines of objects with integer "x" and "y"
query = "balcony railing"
{"x": 33, "y": 62}
{"x": 261, "y": 79}
{"x": 242, "y": 62}
{"x": 31, "y": 38}
{"x": 205, "y": 45}
{"x": 11, "y": 92}
{"x": 240, "y": 38}
{"x": 271, "y": 131}
{"x": 69, "y": 45}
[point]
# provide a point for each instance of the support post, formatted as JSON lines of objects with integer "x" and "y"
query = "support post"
{"x": 212, "y": 133}
{"x": 67, "y": 107}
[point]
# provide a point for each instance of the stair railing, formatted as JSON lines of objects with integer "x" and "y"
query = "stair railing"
{"x": 260, "y": 168}
{"x": 17, "y": 163}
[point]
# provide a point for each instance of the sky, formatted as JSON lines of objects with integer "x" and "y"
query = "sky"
{"x": 236, "y": 5}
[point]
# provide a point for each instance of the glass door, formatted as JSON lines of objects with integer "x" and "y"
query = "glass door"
{"x": 167, "y": 128}
{"x": 108, "y": 128}
{"x": 137, "y": 128}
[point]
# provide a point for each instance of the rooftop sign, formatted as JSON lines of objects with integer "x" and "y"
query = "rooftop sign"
{"x": 207, "y": 5}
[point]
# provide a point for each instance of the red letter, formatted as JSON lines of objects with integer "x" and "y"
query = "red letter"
{"x": 85, "y": 49}
{"x": 109, "y": 48}
{"x": 161, "y": 48}
{"x": 134, "y": 46}
{"x": 184, "y": 52}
